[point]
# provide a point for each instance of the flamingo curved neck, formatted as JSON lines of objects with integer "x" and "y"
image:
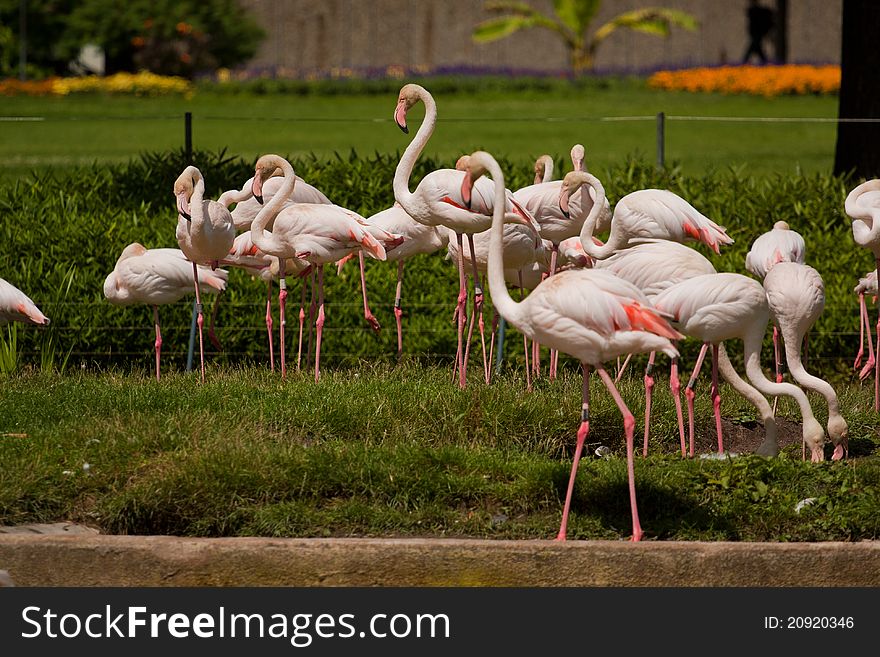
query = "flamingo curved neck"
{"x": 408, "y": 160}
{"x": 197, "y": 208}
{"x": 501, "y": 299}
{"x": 755, "y": 398}
{"x": 231, "y": 196}
{"x": 752, "y": 352}
{"x": 590, "y": 247}
{"x": 261, "y": 238}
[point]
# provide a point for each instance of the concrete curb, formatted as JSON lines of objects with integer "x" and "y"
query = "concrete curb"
{"x": 99, "y": 560}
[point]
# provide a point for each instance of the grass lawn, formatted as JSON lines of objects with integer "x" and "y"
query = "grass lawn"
{"x": 381, "y": 451}
{"x": 521, "y": 125}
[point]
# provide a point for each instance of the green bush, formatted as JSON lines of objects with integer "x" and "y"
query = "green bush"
{"x": 85, "y": 219}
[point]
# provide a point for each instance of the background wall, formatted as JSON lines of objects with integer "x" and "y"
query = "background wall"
{"x": 304, "y": 35}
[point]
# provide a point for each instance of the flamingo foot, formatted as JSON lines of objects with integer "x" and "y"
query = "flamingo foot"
{"x": 373, "y": 322}
{"x": 867, "y": 369}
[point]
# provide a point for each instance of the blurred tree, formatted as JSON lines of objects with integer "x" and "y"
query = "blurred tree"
{"x": 571, "y": 20}
{"x": 172, "y": 37}
{"x": 858, "y": 144}
{"x": 45, "y": 25}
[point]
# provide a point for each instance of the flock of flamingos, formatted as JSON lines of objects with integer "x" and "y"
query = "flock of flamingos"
{"x": 640, "y": 292}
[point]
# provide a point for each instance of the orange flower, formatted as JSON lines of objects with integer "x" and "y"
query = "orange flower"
{"x": 138, "y": 42}
{"x": 756, "y": 80}
{"x": 184, "y": 28}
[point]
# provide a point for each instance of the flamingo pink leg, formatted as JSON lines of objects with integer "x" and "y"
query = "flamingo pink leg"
{"x": 869, "y": 365}
{"x": 398, "y": 312}
{"x": 863, "y": 313}
{"x": 158, "y": 344}
{"x": 690, "y": 394}
{"x": 716, "y": 398}
{"x": 269, "y": 325}
{"x": 201, "y": 319}
{"x": 622, "y": 368}
{"x": 492, "y": 344}
{"x": 368, "y": 314}
{"x": 776, "y": 354}
{"x": 319, "y": 323}
{"x": 583, "y": 431}
{"x": 461, "y": 363}
{"x": 478, "y": 312}
{"x": 312, "y": 313}
{"x": 649, "y": 387}
{"x": 554, "y": 355}
{"x": 282, "y": 320}
{"x": 302, "y": 319}
{"x": 675, "y": 388}
{"x": 877, "y": 361}
{"x": 629, "y": 424}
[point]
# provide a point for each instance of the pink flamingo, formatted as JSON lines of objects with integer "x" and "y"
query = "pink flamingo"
{"x": 316, "y": 233}
{"x": 543, "y": 201}
{"x": 652, "y": 266}
{"x": 718, "y": 307}
{"x": 796, "y": 295}
{"x": 863, "y": 206}
{"x": 16, "y": 306}
{"x": 781, "y": 244}
{"x": 592, "y": 315}
{"x": 438, "y": 200}
{"x": 156, "y": 277}
{"x": 544, "y": 169}
{"x": 521, "y": 250}
{"x": 417, "y": 239}
{"x": 205, "y": 233}
{"x": 646, "y": 213}
{"x": 244, "y": 255}
{"x": 867, "y": 285}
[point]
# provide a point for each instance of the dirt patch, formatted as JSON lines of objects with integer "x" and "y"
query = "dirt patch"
{"x": 744, "y": 438}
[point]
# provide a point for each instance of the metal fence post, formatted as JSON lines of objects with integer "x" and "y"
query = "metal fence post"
{"x": 499, "y": 355}
{"x": 188, "y": 146}
{"x": 661, "y": 140}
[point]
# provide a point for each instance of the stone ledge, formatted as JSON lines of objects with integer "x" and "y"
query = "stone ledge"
{"x": 100, "y": 560}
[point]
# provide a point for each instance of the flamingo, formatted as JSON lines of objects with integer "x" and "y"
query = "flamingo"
{"x": 205, "y": 233}
{"x": 520, "y": 251}
{"x": 417, "y": 239}
{"x": 16, "y": 306}
{"x": 867, "y": 285}
{"x": 592, "y": 315}
{"x": 646, "y": 213}
{"x": 542, "y": 200}
{"x": 718, "y": 307}
{"x": 863, "y": 206}
{"x": 157, "y": 277}
{"x": 796, "y": 295}
{"x": 781, "y": 244}
{"x": 244, "y": 255}
{"x": 316, "y": 233}
{"x": 653, "y": 266}
{"x": 438, "y": 200}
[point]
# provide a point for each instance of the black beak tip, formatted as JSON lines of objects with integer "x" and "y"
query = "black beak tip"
{"x": 565, "y": 213}
{"x": 186, "y": 215}
{"x": 403, "y": 128}
{"x": 259, "y": 198}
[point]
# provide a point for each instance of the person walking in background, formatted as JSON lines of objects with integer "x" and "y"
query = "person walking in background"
{"x": 760, "y": 20}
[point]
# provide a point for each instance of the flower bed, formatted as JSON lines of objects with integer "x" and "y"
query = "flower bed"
{"x": 137, "y": 84}
{"x": 754, "y": 80}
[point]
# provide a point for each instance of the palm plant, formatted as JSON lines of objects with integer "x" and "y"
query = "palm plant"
{"x": 571, "y": 22}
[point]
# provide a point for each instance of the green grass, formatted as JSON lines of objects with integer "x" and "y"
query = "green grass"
{"x": 86, "y": 129}
{"x": 377, "y": 451}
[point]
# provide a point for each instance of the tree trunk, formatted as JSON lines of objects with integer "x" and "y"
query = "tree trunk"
{"x": 858, "y": 144}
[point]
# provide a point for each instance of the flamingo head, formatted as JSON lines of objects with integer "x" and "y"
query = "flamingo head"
{"x": 577, "y": 157}
{"x": 814, "y": 437}
{"x": 570, "y": 184}
{"x": 541, "y": 165}
{"x": 467, "y": 183}
{"x": 409, "y": 95}
{"x": 183, "y": 190}
{"x": 838, "y": 431}
{"x": 266, "y": 167}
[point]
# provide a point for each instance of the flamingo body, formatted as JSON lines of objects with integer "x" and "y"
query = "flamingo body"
{"x": 778, "y": 245}
{"x": 16, "y": 306}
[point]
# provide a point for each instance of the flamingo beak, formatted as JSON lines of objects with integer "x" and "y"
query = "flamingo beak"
{"x": 400, "y": 116}
{"x": 257, "y": 187}
{"x": 183, "y": 206}
{"x": 563, "y": 204}
{"x": 467, "y": 185}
